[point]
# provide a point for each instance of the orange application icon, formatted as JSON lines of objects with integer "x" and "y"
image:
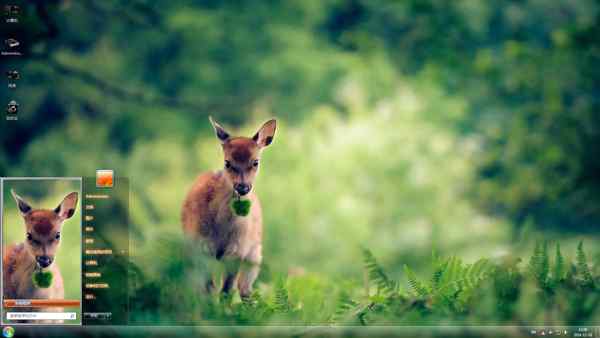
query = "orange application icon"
{"x": 104, "y": 178}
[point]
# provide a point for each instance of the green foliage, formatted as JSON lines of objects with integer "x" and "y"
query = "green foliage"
{"x": 507, "y": 283}
{"x": 548, "y": 279}
{"x": 454, "y": 286}
{"x": 456, "y": 292}
{"x": 415, "y": 285}
{"x": 281, "y": 302}
{"x": 452, "y": 281}
{"x": 240, "y": 207}
{"x": 377, "y": 275}
{"x": 511, "y": 77}
{"x": 558, "y": 273}
{"x": 582, "y": 267}
{"x": 346, "y": 308}
{"x": 42, "y": 279}
{"x": 539, "y": 263}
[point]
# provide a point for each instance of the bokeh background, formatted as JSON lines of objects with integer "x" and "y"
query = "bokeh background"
{"x": 47, "y": 194}
{"x": 462, "y": 127}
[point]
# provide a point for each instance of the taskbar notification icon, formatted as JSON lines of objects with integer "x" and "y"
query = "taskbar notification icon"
{"x": 551, "y": 332}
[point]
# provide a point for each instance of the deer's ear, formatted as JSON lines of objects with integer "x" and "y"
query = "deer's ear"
{"x": 23, "y": 206}
{"x": 264, "y": 136}
{"x": 222, "y": 135}
{"x": 67, "y": 207}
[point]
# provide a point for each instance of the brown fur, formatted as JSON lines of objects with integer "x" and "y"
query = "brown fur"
{"x": 40, "y": 221}
{"x": 18, "y": 267}
{"x": 208, "y": 220}
{"x": 241, "y": 149}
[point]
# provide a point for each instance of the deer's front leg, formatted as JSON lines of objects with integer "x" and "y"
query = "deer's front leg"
{"x": 232, "y": 266}
{"x": 248, "y": 273}
{"x": 249, "y": 269}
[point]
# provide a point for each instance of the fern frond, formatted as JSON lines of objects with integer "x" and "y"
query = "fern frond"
{"x": 475, "y": 273}
{"x": 281, "y": 301}
{"x": 417, "y": 287}
{"x": 439, "y": 267}
{"x": 450, "y": 275}
{"x": 559, "y": 266}
{"x": 457, "y": 277}
{"x": 377, "y": 275}
{"x": 539, "y": 263}
{"x": 345, "y": 307}
{"x": 582, "y": 266}
{"x": 253, "y": 300}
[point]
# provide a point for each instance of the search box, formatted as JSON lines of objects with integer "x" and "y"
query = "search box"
{"x": 41, "y": 315}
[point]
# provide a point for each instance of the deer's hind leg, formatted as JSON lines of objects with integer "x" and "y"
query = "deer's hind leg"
{"x": 200, "y": 267}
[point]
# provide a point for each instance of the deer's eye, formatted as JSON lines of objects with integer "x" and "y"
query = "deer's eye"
{"x": 227, "y": 164}
{"x": 29, "y": 236}
{"x": 255, "y": 163}
{"x": 57, "y": 237}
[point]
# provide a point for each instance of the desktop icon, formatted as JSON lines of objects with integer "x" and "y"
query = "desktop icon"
{"x": 13, "y": 75}
{"x": 12, "y": 108}
{"x": 12, "y": 10}
{"x": 12, "y": 43}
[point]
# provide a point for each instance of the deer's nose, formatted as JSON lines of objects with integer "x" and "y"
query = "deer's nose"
{"x": 242, "y": 188}
{"x": 44, "y": 261}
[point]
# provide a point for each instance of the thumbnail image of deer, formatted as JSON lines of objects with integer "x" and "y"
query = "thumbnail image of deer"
{"x": 30, "y": 268}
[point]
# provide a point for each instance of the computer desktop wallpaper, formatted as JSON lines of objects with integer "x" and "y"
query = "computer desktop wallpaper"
{"x": 435, "y": 163}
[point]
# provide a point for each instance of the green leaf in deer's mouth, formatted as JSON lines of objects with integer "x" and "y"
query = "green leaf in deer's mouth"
{"x": 240, "y": 207}
{"x": 42, "y": 279}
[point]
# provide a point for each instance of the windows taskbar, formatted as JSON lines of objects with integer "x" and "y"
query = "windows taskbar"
{"x": 301, "y": 331}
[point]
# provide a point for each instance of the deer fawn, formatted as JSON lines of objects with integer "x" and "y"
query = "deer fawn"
{"x": 208, "y": 219}
{"x": 37, "y": 252}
